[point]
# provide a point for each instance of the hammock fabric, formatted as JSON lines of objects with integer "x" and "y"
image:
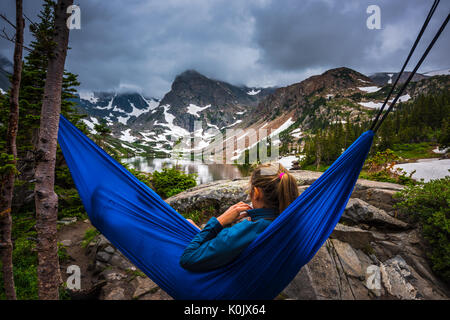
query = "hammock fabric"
{"x": 152, "y": 235}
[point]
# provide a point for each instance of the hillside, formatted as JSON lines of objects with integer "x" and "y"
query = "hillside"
{"x": 146, "y": 125}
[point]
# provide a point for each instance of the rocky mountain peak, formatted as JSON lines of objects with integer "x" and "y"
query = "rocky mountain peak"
{"x": 191, "y": 87}
{"x": 295, "y": 98}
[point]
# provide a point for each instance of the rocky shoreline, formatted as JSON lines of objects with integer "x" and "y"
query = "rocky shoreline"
{"x": 373, "y": 253}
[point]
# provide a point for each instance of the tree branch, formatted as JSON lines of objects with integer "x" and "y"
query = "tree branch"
{"x": 5, "y": 36}
{"x": 7, "y": 20}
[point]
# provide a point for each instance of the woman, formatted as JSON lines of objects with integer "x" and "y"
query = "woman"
{"x": 271, "y": 191}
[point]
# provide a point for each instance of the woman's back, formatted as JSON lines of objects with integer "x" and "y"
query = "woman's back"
{"x": 271, "y": 190}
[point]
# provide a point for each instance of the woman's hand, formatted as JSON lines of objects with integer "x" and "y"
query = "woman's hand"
{"x": 232, "y": 213}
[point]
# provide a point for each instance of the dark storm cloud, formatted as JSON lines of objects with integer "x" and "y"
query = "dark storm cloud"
{"x": 324, "y": 34}
{"x": 142, "y": 45}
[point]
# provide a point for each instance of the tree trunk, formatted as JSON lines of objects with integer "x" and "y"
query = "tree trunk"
{"x": 7, "y": 187}
{"x": 49, "y": 278}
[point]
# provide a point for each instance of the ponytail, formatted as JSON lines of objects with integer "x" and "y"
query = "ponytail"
{"x": 278, "y": 186}
{"x": 287, "y": 189}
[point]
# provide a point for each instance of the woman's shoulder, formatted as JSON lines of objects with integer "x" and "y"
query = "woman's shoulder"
{"x": 246, "y": 224}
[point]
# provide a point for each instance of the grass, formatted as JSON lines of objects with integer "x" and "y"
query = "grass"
{"x": 89, "y": 236}
{"x": 200, "y": 216}
{"x": 415, "y": 150}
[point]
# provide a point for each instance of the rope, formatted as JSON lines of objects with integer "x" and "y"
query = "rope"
{"x": 430, "y": 46}
{"x": 425, "y": 24}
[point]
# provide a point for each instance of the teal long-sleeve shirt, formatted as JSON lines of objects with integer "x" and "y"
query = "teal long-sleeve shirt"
{"x": 216, "y": 246}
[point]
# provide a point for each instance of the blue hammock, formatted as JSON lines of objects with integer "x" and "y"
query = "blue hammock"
{"x": 152, "y": 235}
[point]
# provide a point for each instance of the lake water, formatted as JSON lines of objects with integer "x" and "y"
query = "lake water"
{"x": 205, "y": 172}
{"x": 427, "y": 169}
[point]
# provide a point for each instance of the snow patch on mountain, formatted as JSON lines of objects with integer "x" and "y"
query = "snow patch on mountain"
{"x": 107, "y": 107}
{"x": 174, "y": 130}
{"x": 297, "y": 133}
{"x": 370, "y": 89}
{"x": 126, "y": 136}
{"x": 194, "y": 110}
{"x": 152, "y": 103}
{"x": 283, "y": 127}
{"x": 253, "y": 92}
{"x": 372, "y": 105}
{"x": 91, "y": 124}
{"x": 233, "y": 124}
{"x": 378, "y": 105}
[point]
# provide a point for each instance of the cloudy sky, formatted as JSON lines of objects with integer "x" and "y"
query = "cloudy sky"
{"x": 143, "y": 44}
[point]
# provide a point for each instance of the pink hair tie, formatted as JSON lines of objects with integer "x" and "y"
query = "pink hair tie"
{"x": 281, "y": 175}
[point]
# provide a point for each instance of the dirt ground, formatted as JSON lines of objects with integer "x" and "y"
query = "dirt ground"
{"x": 78, "y": 255}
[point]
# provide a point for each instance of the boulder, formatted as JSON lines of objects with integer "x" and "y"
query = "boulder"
{"x": 116, "y": 293}
{"x": 356, "y": 237}
{"x": 397, "y": 277}
{"x": 143, "y": 285}
{"x": 358, "y": 211}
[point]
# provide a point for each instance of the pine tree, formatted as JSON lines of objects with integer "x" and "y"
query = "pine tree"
{"x": 102, "y": 132}
{"x": 33, "y": 82}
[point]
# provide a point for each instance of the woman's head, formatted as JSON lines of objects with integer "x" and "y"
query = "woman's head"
{"x": 272, "y": 186}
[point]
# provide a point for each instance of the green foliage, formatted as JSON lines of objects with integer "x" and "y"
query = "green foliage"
{"x": 415, "y": 150}
{"x": 24, "y": 258}
{"x": 32, "y": 85}
{"x": 89, "y": 236}
{"x": 102, "y": 129}
{"x": 200, "y": 216}
{"x": 444, "y": 136}
{"x": 380, "y": 167}
{"x": 325, "y": 146}
{"x": 429, "y": 203}
{"x": 142, "y": 176}
{"x": 171, "y": 181}
{"x": 6, "y": 165}
{"x": 25, "y": 264}
{"x": 63, "y": 255}
{"x": 423, "y": 120}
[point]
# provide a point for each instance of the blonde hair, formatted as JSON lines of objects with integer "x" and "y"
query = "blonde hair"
{"x": 278, "y": 186}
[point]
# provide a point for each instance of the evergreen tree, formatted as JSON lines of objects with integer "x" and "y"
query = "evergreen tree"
{"x": 33, "y": 81}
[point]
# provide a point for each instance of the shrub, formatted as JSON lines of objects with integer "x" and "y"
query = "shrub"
{"x": 380, "y": 167}
{"x": 89, "y": 236}
{"x": 171, "y": 181}
{"x": 429, "y": 204}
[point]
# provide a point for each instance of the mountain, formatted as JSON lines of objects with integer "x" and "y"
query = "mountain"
{"x": 196, "y": 98}
{"x": 114, "y": 108}
{"x": 203, "y": 106}
{"x": 139, "y": 121}
{"x": 383, "y": 78}
{"x": 440, "y": 72}
{"x": 339, "y": 83}
{"x": 6, "y": 69}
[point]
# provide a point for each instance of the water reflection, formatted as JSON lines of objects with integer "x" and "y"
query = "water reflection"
{"x": 205, "y": 172}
